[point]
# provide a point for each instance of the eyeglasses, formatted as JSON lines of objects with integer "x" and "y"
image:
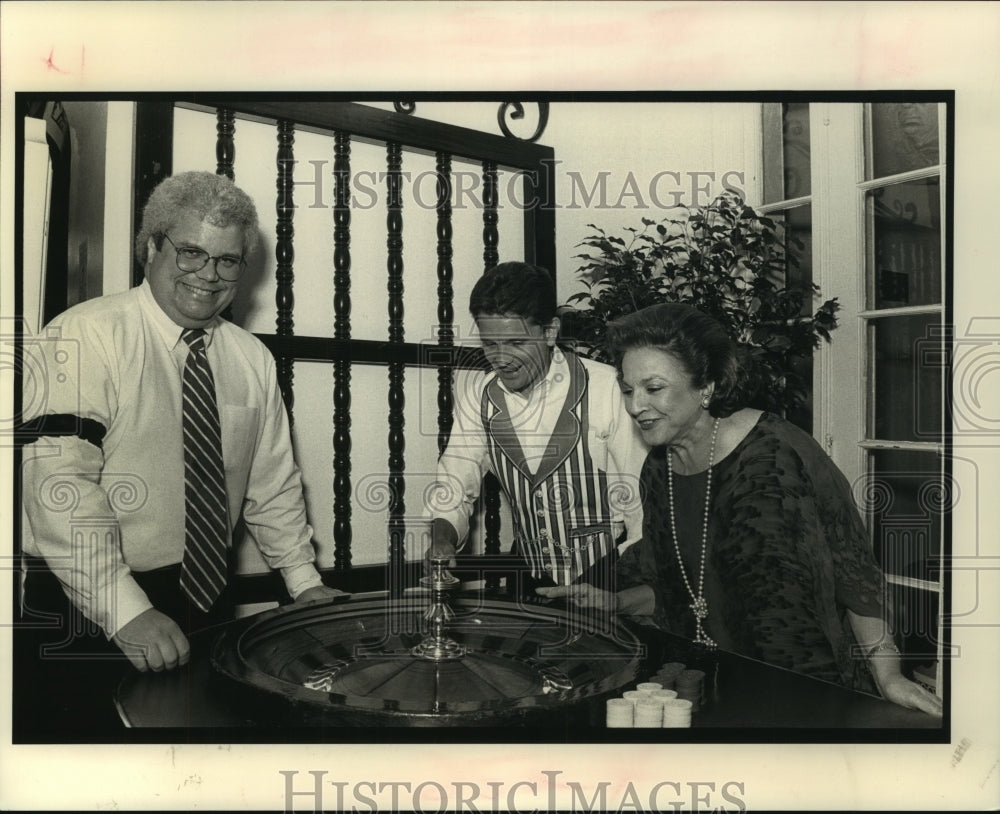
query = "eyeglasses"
{"x": 191, "y": 259}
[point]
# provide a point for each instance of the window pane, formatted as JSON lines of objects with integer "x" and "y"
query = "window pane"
{"x": 798, "y": 235}
{"x": 907, "y": 378}
{"x": 915, "y": 619}
{"x": 904, "y": 137}
{"x": 802, "y": 415}
{"x": 786, "y": 151}
{"x": 795, "y": 229}
{"x": 905, "y": 499}
{"x": 905, "y": 256}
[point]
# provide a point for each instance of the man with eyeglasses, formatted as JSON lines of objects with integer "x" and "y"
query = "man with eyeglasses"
{"x": 133, "y": 480}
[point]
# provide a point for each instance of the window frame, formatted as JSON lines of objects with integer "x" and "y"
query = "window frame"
{"x": 839, "y": 142}
{"x": 868, "y": 445}
{"x": 780, "y": 208}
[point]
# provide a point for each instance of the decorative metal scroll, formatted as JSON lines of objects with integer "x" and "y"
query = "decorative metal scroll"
{"x": 285, "y": 256}
{"x": 342, "y": 533}
{"x": 397, "y": 400}
{"x": 516, "y": 111}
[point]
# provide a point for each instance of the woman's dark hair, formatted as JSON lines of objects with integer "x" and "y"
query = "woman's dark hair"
{"x": 515, "y": 289}
{"x": 698, "y": 342}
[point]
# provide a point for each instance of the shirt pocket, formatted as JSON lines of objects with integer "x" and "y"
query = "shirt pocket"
{"x": 239, "y": 439}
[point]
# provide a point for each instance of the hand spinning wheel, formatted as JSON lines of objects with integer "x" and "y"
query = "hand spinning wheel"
{"x": 468, "y": 662}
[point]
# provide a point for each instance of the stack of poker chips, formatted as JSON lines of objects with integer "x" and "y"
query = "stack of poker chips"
{"x": 663, "y": 695}
{"x": 648, "y": 713}
{"x": 632, "y": 696}
{"x": 619, "y": 714}
{"x": 689, "y": 685}
{"x": 668, "y": 673}
{"x": 676, "y": 713}
{"x": 650, "y": 705}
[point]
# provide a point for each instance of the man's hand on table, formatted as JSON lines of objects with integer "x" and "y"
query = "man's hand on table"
{"x": 153, "y": 641}
{"x": 319, "y": 592}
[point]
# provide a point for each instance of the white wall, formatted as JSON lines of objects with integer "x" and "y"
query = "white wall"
{"x": 651, "y": 157}
{"x": 618, "y": 162}
{"x": 118, "y": 198}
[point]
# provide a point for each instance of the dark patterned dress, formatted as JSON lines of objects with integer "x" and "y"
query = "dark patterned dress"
{"x": 787, "y": 554}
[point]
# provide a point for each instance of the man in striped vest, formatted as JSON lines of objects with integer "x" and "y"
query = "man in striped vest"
{"x": 553, "y": 429}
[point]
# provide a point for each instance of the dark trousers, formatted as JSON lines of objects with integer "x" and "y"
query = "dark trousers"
{"x": 66, "y": 671}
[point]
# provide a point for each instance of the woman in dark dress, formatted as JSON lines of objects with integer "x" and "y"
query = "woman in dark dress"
{"x": 751, "y": 539}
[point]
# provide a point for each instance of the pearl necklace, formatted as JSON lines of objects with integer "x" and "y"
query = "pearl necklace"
{"x": 699, "y": 605}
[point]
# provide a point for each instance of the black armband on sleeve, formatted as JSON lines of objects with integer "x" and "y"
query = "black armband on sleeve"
{"x": 59, "y": 425}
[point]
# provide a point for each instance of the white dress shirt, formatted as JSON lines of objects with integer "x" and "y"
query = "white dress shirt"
{"x": 96, "y": 513}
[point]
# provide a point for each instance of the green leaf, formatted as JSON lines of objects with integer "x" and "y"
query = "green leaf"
{"x": 723, "y": 258}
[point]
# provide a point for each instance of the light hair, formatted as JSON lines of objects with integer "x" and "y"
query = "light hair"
{"x": 211, "y": 198}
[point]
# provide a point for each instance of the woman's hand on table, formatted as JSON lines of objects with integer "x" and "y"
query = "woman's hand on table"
{"x": 636, "y": 601}
{"x": 582, "y": 595}
{"x": 900, "y": 690}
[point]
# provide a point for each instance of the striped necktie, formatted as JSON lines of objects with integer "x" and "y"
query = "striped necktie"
{"x": 203, "y": 572}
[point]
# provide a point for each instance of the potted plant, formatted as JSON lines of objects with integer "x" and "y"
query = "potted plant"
{"x": 727, "y": 260}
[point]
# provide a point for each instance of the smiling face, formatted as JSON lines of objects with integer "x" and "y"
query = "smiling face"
{"x": 192, "y": 299}
{"x": 518, "y": 349}
{"x": 659, "y": 396}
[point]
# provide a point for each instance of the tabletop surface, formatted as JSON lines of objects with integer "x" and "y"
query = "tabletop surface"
{"x": 742, "y": 696}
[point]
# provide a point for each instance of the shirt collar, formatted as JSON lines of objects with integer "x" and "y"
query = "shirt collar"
{"x": 558, "y": 372}
{"x": 169, "y": 331}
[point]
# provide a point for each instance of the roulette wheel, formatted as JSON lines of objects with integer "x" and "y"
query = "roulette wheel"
{"x": 363, "y": 664}
{"x": 427, "y": 660}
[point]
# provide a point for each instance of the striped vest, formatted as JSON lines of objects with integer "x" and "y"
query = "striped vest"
{"x": 562, "y": 518}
